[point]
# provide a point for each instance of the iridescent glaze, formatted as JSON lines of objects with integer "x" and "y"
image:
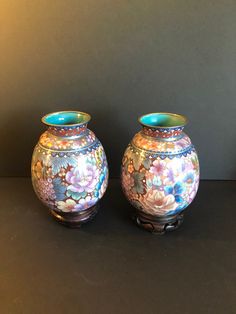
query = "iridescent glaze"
{"x": 69, "y": 167}
{"x": 160, "y": 171}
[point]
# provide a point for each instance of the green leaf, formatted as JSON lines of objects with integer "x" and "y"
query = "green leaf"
{"x": 75, "y": 195}
{"x": 147, "y": 163}
{"x": 136, "y": 161}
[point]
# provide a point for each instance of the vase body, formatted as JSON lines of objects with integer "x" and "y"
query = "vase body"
{"x": 160, "y": 172}
{"x": 69, "y": 168}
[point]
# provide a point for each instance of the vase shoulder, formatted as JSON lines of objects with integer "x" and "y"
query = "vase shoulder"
{"x": 51, "y": 141}
{"x": 157, "y": 145}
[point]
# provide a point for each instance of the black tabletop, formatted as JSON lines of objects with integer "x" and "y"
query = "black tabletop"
{"x": 112, "y": 266}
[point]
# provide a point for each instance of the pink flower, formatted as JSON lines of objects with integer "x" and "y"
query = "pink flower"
{"x": 156, "y": 202}
{"x": 158, "y": 167}
{"x": 82, "y": 178}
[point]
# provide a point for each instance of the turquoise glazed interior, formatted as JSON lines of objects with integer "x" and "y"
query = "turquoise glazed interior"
{"x": 163, "y": 120}
{"x": 66, "y": 118}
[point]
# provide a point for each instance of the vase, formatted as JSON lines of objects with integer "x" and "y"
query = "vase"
{"x": 160, "y": 172}
{"x": 69, "y": 168}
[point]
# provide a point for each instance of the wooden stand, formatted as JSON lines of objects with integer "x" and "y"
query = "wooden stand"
{"x": 75, "y": 220}
{"x": 158, "y": 225}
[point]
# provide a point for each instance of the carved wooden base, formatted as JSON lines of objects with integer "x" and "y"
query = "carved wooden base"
{"x": 75, "y": 220}
{"x": 158, "y": 225}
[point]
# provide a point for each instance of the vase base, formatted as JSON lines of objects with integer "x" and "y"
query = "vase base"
{"x": 75, "y": 220}
{"x": 158, "y": 225}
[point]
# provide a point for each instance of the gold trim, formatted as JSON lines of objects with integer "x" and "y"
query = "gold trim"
{"x": 164, "y": 127}
{"x": 68, "y": 151}
{"x": 66, "y": 125}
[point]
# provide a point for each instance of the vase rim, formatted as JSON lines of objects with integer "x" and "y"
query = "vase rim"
{"x": 66, "y": 118}
{"x": 163, "y": 120}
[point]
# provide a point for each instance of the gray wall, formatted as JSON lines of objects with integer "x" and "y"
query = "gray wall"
{"x": 118, "y": 60}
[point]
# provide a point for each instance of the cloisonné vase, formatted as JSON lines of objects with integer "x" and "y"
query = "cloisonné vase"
{"x": 160, "y": 172}
{"x": 69, "y": 168}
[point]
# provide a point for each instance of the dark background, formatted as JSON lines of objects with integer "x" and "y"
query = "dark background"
{"x": 117, "y": 60}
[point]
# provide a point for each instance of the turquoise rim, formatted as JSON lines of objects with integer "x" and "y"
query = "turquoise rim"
{"x": 163, "y": 120}
{"x": 66, "y": 118}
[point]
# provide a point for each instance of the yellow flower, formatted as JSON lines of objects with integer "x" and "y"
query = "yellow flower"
{"x": 38, "y": 169}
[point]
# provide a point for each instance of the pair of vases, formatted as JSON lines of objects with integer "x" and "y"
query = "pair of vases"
{"x": 159, "y": 173}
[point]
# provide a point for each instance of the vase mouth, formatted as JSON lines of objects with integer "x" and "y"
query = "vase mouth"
{"x": 165, "y": 120}
{"x": 66, "y": 118}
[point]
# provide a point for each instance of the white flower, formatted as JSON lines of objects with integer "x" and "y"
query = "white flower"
{"x": 67, "y": 206}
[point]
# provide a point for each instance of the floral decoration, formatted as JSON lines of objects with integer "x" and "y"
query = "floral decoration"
{"x": 67, "y": 205}
{"x": 156, "y": 185}
{"x": 82, "y": 179}
{"x": 69, "y": 183}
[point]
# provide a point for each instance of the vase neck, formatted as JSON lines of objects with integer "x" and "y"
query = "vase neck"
{"x": 163, "y": 125}
{"x": 67, "y": 123}
{"x": 68, "y": 131}
{"x": 163, "y": 133}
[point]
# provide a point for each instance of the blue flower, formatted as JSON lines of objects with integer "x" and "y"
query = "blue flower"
{"x": 176, "y": 190}
{"x": 179, "y": 188}
{"x": 189, "y": 178}
{"x": 168, "y": 189}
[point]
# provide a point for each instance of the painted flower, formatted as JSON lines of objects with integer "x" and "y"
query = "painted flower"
{"x": 38, "y": 169}
{"x": 187, "y": 166}
{"x": 169, "y": 175}
{"x": 85, "y": 203}
{"x": 176, "y": 191}
{"x": 153, "y": 181}
{"x": 158, "y": 203}
{"x": 82, "y": 178}
{"x": 138, "y": 182}
{"x": 158, "y": 167}
{"x": 45, "y": 140}
{"x": 67, "y": 206}
{"x": 189, "y": 178}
